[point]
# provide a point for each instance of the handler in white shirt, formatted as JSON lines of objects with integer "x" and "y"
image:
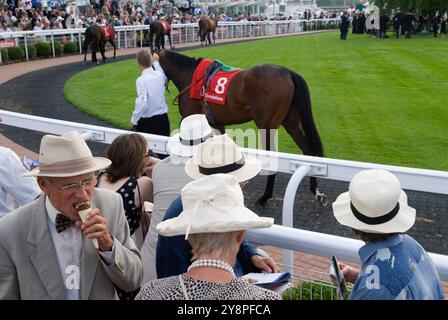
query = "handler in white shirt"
{"x": 151, "y": 111}
{"x": 15, "y": 190}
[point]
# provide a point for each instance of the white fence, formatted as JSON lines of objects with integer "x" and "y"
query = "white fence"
{"x": 131, "y": 36}
{"x": 284, "y": 237}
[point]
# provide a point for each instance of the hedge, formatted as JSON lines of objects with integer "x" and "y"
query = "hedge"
{"x": 57, "y": 48}
{"x": 5, "y": 57}
{"x": 16, "y": 53}
{"x": 70, "y": 47}
{"x": 32, "y": 51}
{"x": 313, "y": 290}
{"x": 43, "y": 49}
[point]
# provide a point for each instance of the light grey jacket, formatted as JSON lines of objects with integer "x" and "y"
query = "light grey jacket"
{"x": 29, "y": 267}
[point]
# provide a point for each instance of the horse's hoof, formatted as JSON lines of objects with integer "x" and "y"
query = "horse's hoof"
{"x": 262, "y": 201}
{"x": 323, "y": 199}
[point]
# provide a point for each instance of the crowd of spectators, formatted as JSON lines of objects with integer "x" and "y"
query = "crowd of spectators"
{"x": 23, "y": 15}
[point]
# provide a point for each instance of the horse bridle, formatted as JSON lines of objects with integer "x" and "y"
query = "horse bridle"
{"x": 181, "y": 92}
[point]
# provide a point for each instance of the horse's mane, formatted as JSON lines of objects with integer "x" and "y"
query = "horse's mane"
{"x": 181, "y": 61}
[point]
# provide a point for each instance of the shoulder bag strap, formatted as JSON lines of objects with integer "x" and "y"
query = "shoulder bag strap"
{"x": 143, "y": 216}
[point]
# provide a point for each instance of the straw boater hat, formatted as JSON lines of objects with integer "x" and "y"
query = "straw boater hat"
{"x": 193, "y": 131}
{"x": 374, "y": 203}
{"x": 213, "y": 204}
{"x": 66, "y": 156}
{"x": 220, "y": 154}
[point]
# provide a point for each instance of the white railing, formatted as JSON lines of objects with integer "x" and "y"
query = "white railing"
{"x": 131, "y": 36}
{"x": 300, "y": 166}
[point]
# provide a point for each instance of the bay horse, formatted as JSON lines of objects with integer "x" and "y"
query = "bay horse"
{"x": 271, "y": 95}
{"x": 207, "y": 26}
{"x": 157, "y": 32}
{"x": 96, "y": 37}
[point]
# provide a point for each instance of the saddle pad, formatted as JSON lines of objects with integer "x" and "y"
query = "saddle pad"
{"x": 166, "y": 25}
{"x": 218, "y": 85}
{"x": 106, "y": 31}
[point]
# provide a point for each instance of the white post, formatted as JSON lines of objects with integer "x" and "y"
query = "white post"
{"x": 125, "y": 39}
{"x": 52, "y": 45}
{"x": 80, "y": 42}
{"x": 26, "y": 49}
{"x": 119, "y": 40}
{"x": 288, "y": 210}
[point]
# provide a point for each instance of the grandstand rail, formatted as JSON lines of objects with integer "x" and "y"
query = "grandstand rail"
{"x": 132, "y": 36}
{"x": 299, "y": 166}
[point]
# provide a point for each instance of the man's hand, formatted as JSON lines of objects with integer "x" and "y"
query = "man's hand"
{"x": 266, "y": 264}
{"x": 155, "y": 57}
{"x": 350, "y": 274}
{"x": 149, "y": 166}
{"x": 95, "y": 227}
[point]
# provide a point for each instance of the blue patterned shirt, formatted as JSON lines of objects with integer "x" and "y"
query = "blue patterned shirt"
{"x": 398, "y": 268}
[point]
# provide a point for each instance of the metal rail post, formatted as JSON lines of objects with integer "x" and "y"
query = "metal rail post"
{"x": 288, "y": 209}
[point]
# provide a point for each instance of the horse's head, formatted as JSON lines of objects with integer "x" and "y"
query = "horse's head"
{"x": 177, "y": 67}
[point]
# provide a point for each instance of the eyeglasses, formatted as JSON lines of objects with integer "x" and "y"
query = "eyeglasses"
{"x": 73, "y": 187}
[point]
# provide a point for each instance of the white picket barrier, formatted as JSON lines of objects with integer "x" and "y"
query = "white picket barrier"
{"x": 285, "y": 237}
{"x": 130, "y": 36}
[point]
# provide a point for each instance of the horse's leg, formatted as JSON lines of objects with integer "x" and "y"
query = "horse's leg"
{"x": 112, "y": 42}
{"x": 94, "y": 48}
{"x": 169, "y": 39}
{"x": 208, "y": 38}
{"x": 103, "y": 51}
{"x": 214, "y": 38}
{"x": 268, "y": 143}
{"x": 86, "y": 46}
{"x": 162, "y": 40}
{"x": 292, "y": 126}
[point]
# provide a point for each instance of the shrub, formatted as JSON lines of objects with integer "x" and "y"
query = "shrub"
{"x": 43, "y": 49}
{"x": 57, "y": 48}
{"x": 4, "y": 54}
{"x": 16, "y": 53}
{"x": 313, "y": 290}
{"x": 31, "y": 51}
{"x": 70, "y": 47}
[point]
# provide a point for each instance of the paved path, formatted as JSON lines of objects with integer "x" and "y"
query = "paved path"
{"x": 37, "y": 88}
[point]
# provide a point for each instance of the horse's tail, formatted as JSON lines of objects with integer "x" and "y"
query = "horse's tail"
{"x": 302, "y": 102}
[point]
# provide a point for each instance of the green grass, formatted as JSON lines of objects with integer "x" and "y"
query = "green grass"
{"x": 374, "y": 100}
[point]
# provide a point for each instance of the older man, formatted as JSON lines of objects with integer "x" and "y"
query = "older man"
{"x": 48, "y": 252}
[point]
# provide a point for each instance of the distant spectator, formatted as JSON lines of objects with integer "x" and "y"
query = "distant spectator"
{"x": 213, "y": 221}
{"x": 394, "y": 265}
{"x": 344, "y": 26}
{"x": 384, "y": 19}
{"x": 435, "y": 24}
{"x": 15, "y": 190}
{"x": 396, "y": 21}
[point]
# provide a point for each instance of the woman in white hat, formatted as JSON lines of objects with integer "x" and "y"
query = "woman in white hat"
{"x": 394, "y": 265}
{"x": 213, "y": 221}
{"x": 219, "y": 154}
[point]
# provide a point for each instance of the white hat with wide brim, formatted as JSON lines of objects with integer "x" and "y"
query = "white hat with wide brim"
{"x": 220, "y": 154}
{"x": 374, "y": 203}
{"x": 213, "y": 204}
{"x": 66, "y": 156}
{"x": 193, "y": 131}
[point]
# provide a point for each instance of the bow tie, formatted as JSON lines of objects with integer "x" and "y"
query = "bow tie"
{"x": 62, "y": 222}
